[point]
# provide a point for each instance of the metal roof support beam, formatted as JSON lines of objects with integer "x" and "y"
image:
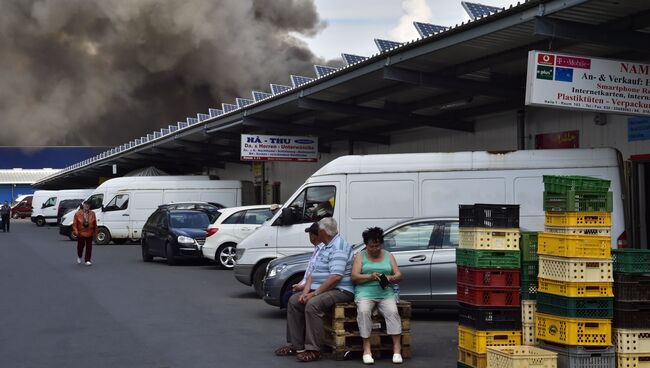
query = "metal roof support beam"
{"x": 404, "y": 118}
{"x": 316, "y": 130}
{"x": 588, "y": 33}
{"x": 433, "y": 80}
{"x": 209, "y": 146}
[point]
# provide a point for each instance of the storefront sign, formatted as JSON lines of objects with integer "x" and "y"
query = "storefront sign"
{"x": 568, "y": 139}
{"x": 255, "y": 147}
{"x": 638, "y": 129}
{"x": 583, "y": 83}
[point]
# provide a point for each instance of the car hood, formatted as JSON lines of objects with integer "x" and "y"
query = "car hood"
{"x": 192, "y": 233}
{"x": 291, "y": 260}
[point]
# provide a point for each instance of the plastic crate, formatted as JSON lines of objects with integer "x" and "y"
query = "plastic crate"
{"x": 632, "y": 340}
{"x": 631, "y": 260}
{"x": 489, "y": 319}
{"x": 529, "y": 289}
{"x": 632, "y": 314}
{"x": 495, "y": 277}
{"x": 488, "y": 238}
{"x": 528, "y": 334}
{"x": 478, "y": 341}
{"x": 576, "y": 219}
{"x": 563, "y": 184}
{"x": 528, "y": 309}
{"x": 566, "y": 230}
{"x": 487, "y": 258}
{"x": 462, "y": 365}
{"x": 573, "y": 331}
{"x": 488, "y": 296}
{"x": 581, "y": 356}
{"x": 529, "y": 270}
{"x": 575, "y": 307}
{"x": 489, "y": 215}
{"x": 472, "y": 359}
{"x": 575, "y": 289}
{"x": 528, "y": 246}
{"x": 575, "y": 269}
{"x": 520, "y": 357}
{"x": 578, "y": 202}
{"x": 632, "y": 287}
{"x": 633, "y": 360}
{"x": 581, "y": 246}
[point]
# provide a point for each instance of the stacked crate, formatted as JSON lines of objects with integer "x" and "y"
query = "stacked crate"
{"x": 575, "y": 301}
{"x": 529, "y": 268}
{"x": 632, "y": 307}
{"x": 488, "y": 281}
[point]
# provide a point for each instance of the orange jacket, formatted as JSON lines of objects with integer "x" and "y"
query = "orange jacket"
{"x": 78, "y": 224}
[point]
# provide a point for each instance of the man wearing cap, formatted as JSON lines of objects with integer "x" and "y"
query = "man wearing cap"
{"x": 315, "y": 241}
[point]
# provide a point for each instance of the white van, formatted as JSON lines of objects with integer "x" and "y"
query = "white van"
{"x": 379, "y": 190}
{"x": 46, "y": 203}
{"x": 124, "y": 215}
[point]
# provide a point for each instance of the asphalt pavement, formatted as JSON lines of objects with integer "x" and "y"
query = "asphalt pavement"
{"x": 122, "y": 312}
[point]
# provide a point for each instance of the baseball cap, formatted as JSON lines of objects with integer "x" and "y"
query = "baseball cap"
{"x": 313, "y": 228}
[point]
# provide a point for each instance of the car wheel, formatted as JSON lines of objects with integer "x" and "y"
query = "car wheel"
{"x": 145, "y": 253}
{"x": 169, "y": 254}
{"x": 72, "y": 237}
{"x": 225, "y": 256}
{"x": 103, "y": 236}
{"x": 40, "y": 221}
{"x": 119, "y": 241}
{"x": 258, "y": 278}
{"x": 15, "y": 216}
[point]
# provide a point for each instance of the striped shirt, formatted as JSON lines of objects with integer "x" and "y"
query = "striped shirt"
{"x": 334, "y": 258}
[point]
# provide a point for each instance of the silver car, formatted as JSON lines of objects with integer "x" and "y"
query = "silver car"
{"x": 425, "y": 250}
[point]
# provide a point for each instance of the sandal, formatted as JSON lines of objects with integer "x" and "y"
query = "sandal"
{"x": 285, "y": 351}
{"x": 308, "y": 356}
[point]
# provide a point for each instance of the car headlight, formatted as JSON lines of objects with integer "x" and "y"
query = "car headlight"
{"x": 239, "y": 252}
{"x": 276, "y": 270}
{"x": 185, "y": 240}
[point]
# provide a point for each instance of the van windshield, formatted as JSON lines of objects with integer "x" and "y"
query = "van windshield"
{"x": 96, "y": 201}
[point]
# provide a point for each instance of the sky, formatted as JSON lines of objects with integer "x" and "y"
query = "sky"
{"x": 352, "y": 25}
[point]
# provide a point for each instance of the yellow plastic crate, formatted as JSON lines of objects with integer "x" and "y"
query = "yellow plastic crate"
{"x": 630, "y": 341}
{"x": 576, "y": 269}
{"x": 472, "y": 359}
{"x": 528, "y": 334}
{"x": 478, "y": 341}
{"x": 575, "y": 219}
{"x": 637, "y": 360}
{"x": 581, "y": 246}
{"x": 528, "y": 308}
{"x": 573, "y": 331}
{"x": 576, "y": 289}
{"x": 520, "y": 357}
{"x": 597, "y": 231}
{"x": 487, "y": 238}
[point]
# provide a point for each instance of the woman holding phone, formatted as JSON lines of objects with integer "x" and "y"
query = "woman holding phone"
{"x": 373, "y": 272}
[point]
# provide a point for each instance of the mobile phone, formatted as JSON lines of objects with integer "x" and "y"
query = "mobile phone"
{"x": 383, "y": 281}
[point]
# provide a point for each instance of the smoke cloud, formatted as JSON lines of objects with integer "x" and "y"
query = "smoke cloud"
{"x": 102, "y": 72}
{"x": 414, "y": 11}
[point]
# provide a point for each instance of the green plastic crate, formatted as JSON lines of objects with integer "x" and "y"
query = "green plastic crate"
{"x": 575, "y": 307}
{"x": 463, "y": 365}
{"x": 529, "y": 270}
{"x": 528, "y": 246}
{"x": 563, "y": 184}
{"x": 529, "y": 289}
{"x": 631, "y": 260}
{"x": 487, "y": 258}
{"x": 579, "y": 202}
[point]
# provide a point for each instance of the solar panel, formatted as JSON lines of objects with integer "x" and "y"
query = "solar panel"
{"x": 276, "y": 89}
{"x": 202, "y": 117}
{"x": 215, "y": 112}
{"x": 385, "y": 45}
{"x": 476, "y": 10}
{"x": 241, "y": 102}
{"x": 151, "y": 137}
{"x": 182, "y": 124}
{"x": 427, "y": 29}
{"x": 352, "y": 59}
{"x": 156, "y": 135}
{"x": 164, "y": 131}
{"x": 322, "y": 70}
{"x": 228, "y": 107}
{"x": 192, "y": 121}
{"x": 297, "y": 80}
{"x": 173, "y": 128}
{"x": 259, "y": 96}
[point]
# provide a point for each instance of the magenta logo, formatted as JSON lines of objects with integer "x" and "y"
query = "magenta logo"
{"x": 573, "y": 62}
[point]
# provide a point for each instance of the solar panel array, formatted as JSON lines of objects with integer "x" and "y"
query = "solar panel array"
{"x": 386, "y": 45}
{"x": 241, "y": 102}
{"x": 322, "y": 70}
{"x": 476, "y": 10}
{"x": 351, "y": 59}
{"x": 228, "y": 107}
{"x": 202, "y": 117}
{"x": 428, "y": 29}
{"x": 298, "y": 80}
{"x": 276, "y": 89}
{"x": 215, "y": 112}
{"x": 259, "y": 96}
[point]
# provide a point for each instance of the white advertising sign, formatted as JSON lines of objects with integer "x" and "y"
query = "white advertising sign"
{"x": 584, "y": 83}
{"x": 256, "y": 147}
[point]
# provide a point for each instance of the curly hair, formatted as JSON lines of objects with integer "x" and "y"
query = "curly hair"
{"x": 373, "y": 233}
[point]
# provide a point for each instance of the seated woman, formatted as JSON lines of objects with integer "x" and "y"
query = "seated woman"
{"x": 367, "y": 271}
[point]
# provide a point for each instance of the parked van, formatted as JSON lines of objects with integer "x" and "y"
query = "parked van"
{"x": 22, "y": 207}
{"x": 379, "y": 190}
{"x": 46, "y": 208}
{"x": 124, "y": 215}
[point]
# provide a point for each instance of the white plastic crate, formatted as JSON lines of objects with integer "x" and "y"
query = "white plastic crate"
{"x": 632, "y": 341}
{"x": 528, "y": 334}
{"x": 520, "y": 357}
{"x": 488, "y": 238}
{"x": 528, "y": 308}
{"x": 597, "y": 231}
{"x": 575, "y": 269}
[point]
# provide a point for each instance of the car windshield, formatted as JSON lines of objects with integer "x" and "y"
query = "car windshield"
{"x": 189, "y": 220}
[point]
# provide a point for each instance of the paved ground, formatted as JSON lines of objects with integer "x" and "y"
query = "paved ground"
{"x": 123, "y": 313}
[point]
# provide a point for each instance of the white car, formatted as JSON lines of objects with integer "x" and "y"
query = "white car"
{"x": 233, "y": 225}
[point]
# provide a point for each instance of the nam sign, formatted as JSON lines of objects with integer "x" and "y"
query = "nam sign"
{"x": 582, "y": 83}
{"x": 255, "y": 147}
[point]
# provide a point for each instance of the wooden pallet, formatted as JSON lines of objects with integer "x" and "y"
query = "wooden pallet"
{"x": 341, "y": 327}
{"x": 355, "y": 352}
{"x": 344, "y": 311}
{"x": 354, "y": 339}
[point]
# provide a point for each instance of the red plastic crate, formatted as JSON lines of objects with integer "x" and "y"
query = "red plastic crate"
{"x": 493, "y": 277}
{"x": 488, "y": 296}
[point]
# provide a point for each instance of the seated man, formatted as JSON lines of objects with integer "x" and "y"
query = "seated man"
{"x": 329, "y": 283}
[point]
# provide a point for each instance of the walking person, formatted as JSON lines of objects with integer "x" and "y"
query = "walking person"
{"x": 84, "y": 227}
{"x": 5, "y": 213}
{"x": 373, "y": 271}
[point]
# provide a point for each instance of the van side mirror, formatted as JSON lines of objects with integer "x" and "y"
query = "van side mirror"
{"x": 43, "y": 206}
{"x": 103, "y": 209}
{"x": 287, "y": 216}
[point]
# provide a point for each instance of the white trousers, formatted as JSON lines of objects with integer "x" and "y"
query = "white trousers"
{"x": 387, "y": 307}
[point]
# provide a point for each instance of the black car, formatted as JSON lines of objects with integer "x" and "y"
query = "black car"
{"x": 174, "y": 234}
{"x": 66, "y": 206}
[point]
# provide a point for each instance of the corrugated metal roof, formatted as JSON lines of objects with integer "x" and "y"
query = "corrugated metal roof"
{"x": 26, "y": 176}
